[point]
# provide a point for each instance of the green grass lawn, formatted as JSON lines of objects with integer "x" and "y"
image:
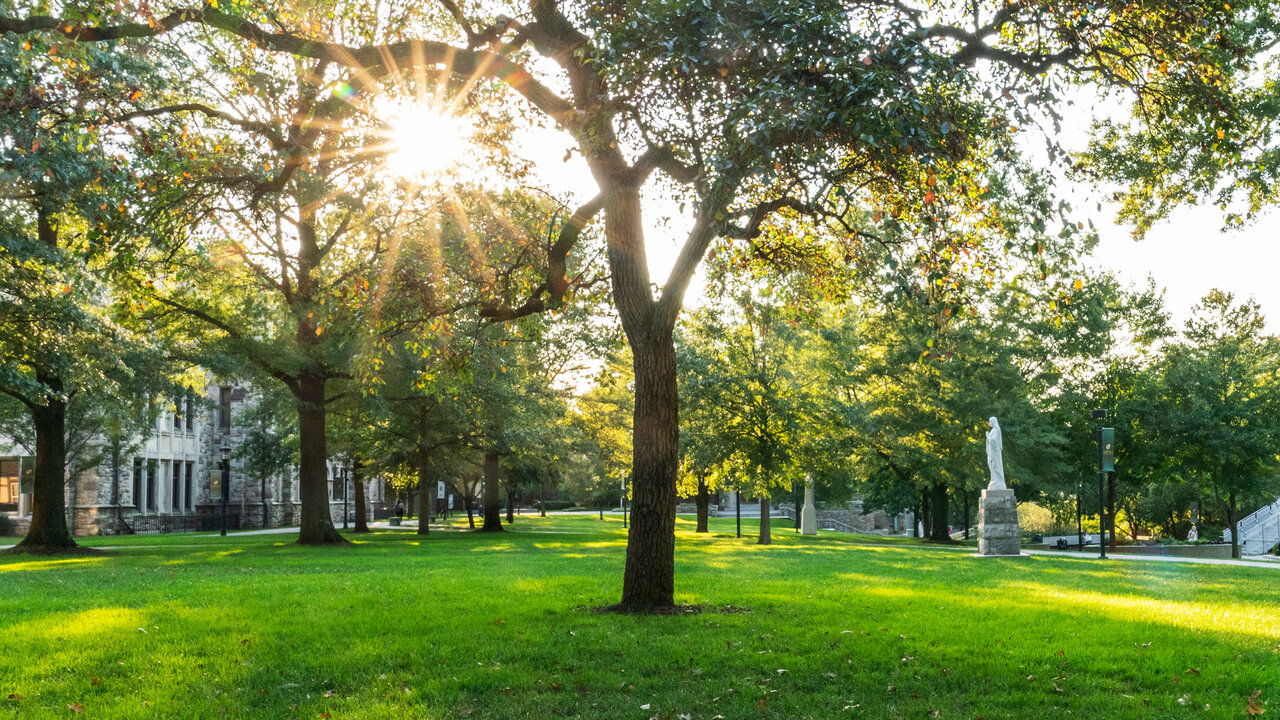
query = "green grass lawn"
{"x": 464, "y": 625}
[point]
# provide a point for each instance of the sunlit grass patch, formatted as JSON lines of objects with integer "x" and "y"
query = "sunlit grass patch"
{"x": 458, "y": 624}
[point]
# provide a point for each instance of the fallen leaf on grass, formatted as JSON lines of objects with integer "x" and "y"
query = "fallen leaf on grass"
{"x": 1253, "y": 708}
{"x": 78, "y": 708}
{"x": 15, "y": 696}
{"x": 95, "y": 681}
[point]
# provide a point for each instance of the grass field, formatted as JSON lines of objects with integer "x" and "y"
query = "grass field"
{"x": 464, "y": 625}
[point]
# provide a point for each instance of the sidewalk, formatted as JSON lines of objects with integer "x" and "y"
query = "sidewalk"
{"x": 1269, "y": 564}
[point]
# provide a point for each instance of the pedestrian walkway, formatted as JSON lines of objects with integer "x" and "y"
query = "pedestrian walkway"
{"x": 1270, "y": 564}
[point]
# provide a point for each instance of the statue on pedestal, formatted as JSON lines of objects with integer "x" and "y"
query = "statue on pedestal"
{"x": 995, "y": 455}
{"x": 998, "y": 532}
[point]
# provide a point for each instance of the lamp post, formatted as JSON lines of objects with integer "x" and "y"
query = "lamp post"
{"x": 224, "y": 464}
{"x": 737, "y": 509}
{"x": 795, "y": 487}
{"x": 345, "y": 476}
{"x": 1099, "y": 416}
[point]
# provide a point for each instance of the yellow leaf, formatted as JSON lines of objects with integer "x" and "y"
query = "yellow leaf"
{"x": 319, "y": 330}
{"x": 1079, "y": 284}
{"x": 1221, "y": 133}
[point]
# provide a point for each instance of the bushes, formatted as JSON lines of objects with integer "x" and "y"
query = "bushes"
{"x": 552, "y": 505}
{"x": 7, "y": 526}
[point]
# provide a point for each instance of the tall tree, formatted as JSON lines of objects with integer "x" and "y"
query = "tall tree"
{"x": 1222, "y": 394}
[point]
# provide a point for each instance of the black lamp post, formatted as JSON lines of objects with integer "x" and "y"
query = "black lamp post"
{"x": 345, "y": 477}
{"x": 1099, "y": 416}
{"x": 225, "y": 465}
{"x": 737, "y": 508}
{"x": 795, "y": 487}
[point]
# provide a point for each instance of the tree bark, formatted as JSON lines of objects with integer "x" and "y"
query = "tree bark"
{"x": 313, "y": 470}
{"x": 357, "y": 484}
{"x": 966, "y": 514}
{"x": 939, "y": 512}
{"x": 471, "y": 517}
{"x": 49, "y": 532}
{"x": 1231, "y": 523}
{"x": 424, "y": 481}
{"x": 649, "y": 577}
{"x": 511, "y": 506}
{"x": 766, "y": 537}
{"x": 492, "y": 495}
{"x": 704, "y": 505}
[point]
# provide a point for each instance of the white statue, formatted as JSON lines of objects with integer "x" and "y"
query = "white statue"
{"x": 995, "y": 456}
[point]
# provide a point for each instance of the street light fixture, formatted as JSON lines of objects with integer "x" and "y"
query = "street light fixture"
{"x": 1098, "y": 417}
{"x": 224, "y": 464}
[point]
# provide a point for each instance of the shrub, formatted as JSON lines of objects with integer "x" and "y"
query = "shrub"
{"x": 7, "y": 526}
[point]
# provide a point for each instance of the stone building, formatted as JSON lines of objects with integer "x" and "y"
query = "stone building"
{"x": 171, "y": 479}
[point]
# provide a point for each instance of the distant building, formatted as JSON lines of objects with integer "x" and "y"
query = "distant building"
{"x": 171, "y": 481}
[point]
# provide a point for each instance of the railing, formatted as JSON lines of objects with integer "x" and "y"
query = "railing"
{"x": 1259, "y": 517}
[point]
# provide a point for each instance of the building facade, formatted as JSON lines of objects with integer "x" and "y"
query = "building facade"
{"x": 171, "y": 479}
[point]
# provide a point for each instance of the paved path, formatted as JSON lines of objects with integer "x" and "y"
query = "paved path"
{"x": 1270, "y": 564}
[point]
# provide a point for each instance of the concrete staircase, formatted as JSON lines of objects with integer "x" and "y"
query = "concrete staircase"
{"x": 1259, "y": 532}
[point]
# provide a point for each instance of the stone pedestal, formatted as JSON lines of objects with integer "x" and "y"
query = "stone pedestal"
{"x": 998, "y": 532}
{"x": 809, "y": 517}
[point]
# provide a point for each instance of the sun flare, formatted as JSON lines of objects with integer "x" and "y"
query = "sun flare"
{"x": 426, "y": 141}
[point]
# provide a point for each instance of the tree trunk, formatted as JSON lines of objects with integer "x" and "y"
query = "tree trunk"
{"x": 492, "y": 494}
{"x": 49, "y": 532}
{"x": 316, "y": 527}
{"x": 765, "y": 537}
{"x": 424, "y": 482}
{"x": 471, "y": 518}
{"x": 966, "y": 514}
{"x": 542, "y": 503}
{"x": 1231, "y": 523}
{"x": 357, "y": 484}
{"x": 939, "y": 513}
{"x": 511, "y": 506}
{"x": 704, "y": 505}
{"x": 649, "y": 578}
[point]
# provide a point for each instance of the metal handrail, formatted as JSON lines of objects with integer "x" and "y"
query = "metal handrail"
{"x": 1258, "y": 517}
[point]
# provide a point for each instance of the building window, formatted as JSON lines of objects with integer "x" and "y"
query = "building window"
{"x": 191, "y": 412}
{"x": 9, "y": 482}
{"x": 175, "y": 502}
{"x": 337, "y": 484}
{"x": 224, "y": 408}
{"x": 188, "y": 497}
{"x": 136, "y": 497}
{"x": 177, "y": 414}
